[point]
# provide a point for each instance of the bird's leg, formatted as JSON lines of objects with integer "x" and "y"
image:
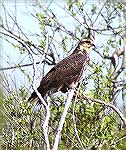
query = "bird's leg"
{"x": 77, "y": 91}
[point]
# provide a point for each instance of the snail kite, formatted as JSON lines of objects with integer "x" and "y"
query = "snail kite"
{"x": 65, "y": 74}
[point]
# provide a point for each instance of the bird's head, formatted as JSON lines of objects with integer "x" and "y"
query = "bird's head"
{"x": 86, "y": 44}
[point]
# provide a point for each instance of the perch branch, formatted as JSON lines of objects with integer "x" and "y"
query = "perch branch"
{"x": 62, "y": 120}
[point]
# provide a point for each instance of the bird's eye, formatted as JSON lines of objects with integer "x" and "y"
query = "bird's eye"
{"x": 88, "y": 42}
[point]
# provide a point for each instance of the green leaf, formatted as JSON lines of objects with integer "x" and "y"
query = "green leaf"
{"x": 94, "y": 8}
{"x": 120, "y": 41}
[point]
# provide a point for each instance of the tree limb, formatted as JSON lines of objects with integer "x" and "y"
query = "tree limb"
{"x": 62, "y": 120}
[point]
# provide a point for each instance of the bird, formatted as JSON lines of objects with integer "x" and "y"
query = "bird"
{"x": 67, "y": 73}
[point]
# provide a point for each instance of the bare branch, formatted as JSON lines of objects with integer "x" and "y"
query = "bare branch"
{"x": 46, "y": 104}
{"x": 62, "y": 120}
{"x": 100, "y": 12}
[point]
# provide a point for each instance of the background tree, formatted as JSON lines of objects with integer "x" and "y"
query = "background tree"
{"x": 94, "y": 120}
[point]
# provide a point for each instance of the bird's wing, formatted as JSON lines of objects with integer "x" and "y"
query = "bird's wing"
{"x": 65, "y": 71}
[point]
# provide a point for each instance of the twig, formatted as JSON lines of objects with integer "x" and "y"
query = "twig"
{"x": 18, "y": 66}
{"x": 99, "y": 12}
{"x": 46, "y": 121}
{"x": 120, "y": 139}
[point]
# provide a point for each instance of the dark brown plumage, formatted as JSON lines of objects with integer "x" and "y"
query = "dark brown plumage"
{"x": 65, "y": 74}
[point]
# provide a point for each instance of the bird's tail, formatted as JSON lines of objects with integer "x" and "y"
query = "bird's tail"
{"x": 33, "y": 96}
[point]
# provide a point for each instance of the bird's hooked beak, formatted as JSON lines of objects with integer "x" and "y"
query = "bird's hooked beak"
{"x": 91, "y": 42}
{"x": 93, "y": 45}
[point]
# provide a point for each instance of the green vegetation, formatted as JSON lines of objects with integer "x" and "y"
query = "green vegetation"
{"x": 88, "y": 124}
